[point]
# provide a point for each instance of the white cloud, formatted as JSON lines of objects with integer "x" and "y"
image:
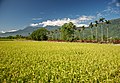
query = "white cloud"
{"x": 118, "y": 4}
{"x": 85, "y": 18}
{"x": 9, "y": 31}
{"x": 12, "y": 30}
{"x": 2, "y": 31}
{"x": 115, "y": 3}
{"x": 36, "y": 18}
{"x": 99, "y": 15}
{"x": 112, "y": 2}
{"x": 58, "y": 22}
{"x": 77, "y": 15}
{"x": 33, "y": 25}
{"x": 80, "y": 25}
{"x": 112, "y": 10}
{"x": 80, "y": 21}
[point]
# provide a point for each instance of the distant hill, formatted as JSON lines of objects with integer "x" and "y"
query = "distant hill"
{"x": 26, "y": 31}
{"x": 23, "y": 32}
{"x": 114, "y": 30}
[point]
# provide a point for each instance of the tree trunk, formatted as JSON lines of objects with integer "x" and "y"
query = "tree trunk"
{"x": 83, "y": 34}
{"x": 91, "y": 34}
{"x": 52, "y": 36}
{"x": 79, "y": 36}
{"x": 96, "y": 34}
{"x": 56, "y": 36}
{"x": 59, "y": 35}
{"x": 107, "y": 35}
{"x": 101, "y": 33}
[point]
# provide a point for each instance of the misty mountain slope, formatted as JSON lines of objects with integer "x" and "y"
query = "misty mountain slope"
{"x": 26, "y": 31}
{"x": 114, "y": 30}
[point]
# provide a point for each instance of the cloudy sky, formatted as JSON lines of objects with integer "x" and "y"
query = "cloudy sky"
{"x": 17, "y": 14}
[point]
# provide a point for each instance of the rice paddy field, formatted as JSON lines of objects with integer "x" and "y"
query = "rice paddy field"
{"x": 55, "y": 62}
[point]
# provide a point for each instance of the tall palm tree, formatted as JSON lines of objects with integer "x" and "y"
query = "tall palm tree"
{"x": 101, "y": 20}
{"x": 107, "y": 22}
{"x": 96, "y": 24}
{"x": 59, "y": 30}
{"x": 83, "y": 27}
{"x": 52, "y": 35}
{"x": 48, "y": 34}
{"x": 56, "y": 34}
{"x": 91, "y": 26}
{"x": 79, "y": 33}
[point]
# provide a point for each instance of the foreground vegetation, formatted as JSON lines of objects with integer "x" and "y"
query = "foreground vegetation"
{"x": 99, "y": 31}
{"x": 45, "y": 62}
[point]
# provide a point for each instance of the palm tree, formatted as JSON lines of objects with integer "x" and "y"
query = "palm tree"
{"x": 59, "y": 30}
{"x": 96, "y": 24}
{"x": 107, "y": 22}
{"x": 101, "y": 20}
{"x": 91, "y": 26}
{"x": 48, "y": 34}
{"x": 79, "y": 33}
{"x": 56, "y": 34}
{"x": 52, "y": 34}
{"x": 83, "y": 27}
{"x": 28, "y": 33}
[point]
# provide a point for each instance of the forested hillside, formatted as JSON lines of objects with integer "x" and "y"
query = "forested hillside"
{"x": 113, "y": 30}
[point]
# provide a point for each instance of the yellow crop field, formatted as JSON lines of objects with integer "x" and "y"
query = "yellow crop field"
{"x": 44, "y": 62}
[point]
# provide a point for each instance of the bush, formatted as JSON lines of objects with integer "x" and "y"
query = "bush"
{"x": 40, "y": 34}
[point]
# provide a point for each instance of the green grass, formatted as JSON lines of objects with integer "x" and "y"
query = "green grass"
{"x": 6, "y": 39}
{"x": 44, "y": 62}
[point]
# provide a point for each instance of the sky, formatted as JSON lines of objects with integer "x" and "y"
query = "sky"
{"x": 18, "y": 14}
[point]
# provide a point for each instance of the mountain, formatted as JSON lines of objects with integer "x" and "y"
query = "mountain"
{"x": 114, "y": 30}
{"x": 26, "y": 31}
{"x": 23, "y": 32}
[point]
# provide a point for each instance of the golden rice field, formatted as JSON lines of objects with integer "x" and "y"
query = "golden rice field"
{"x": 53, "y": 62}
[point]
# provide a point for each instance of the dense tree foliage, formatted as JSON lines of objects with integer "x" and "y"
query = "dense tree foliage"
{"x": 67, "y": 31}
{"x": 101, "y": 30}
{"x": 40, "y": 34}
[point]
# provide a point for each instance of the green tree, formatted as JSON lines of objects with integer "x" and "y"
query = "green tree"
{"x": 79, "y": 30}
{"x": 101, "y": 20}
{"x": 40, "y": 34}
{"x": 67, "y": 31}
{"x": 107, "y": 22}
{"x": 10, "y": 37}
{"x": 52, "y": 34}
{"x": 18, "y": 36}
{"x": 91, "y": 26}
{"x": 59, "y": 33}
{"x": 82, "y": 29}
{"x": 56, "y": 34}
{"x": 96, "y": 25}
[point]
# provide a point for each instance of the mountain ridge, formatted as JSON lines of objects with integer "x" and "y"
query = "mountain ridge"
{"x": 114, "y": 30}
{"x": 26, "y": 31}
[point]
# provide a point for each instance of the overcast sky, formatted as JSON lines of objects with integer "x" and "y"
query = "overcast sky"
{"x": 17, "y": 14}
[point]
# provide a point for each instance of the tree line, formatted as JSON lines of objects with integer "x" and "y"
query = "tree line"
{"x": 69, "y": 32}
{"x": 97, "y": 31}
{"x": 10, "y": 38}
